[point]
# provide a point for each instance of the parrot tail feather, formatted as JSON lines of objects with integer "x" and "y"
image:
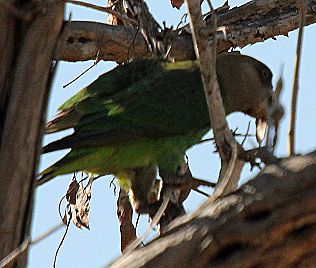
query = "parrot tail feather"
{"x": 45, "y": 176}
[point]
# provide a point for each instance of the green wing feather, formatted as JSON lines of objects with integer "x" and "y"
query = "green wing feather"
{"x": 140, "y": 111}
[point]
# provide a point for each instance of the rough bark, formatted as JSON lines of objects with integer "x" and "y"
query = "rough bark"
{"x": 7, "y": 29}
{"x": 25, "y": 83}
{"x": 269, "y": 222}
{"x": 253, "y": 22}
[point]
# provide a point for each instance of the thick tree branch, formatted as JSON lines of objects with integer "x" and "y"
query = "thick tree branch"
{"x": 269, "y": 222}
{"x": 8, "y": 26}
{"x": 253, "y": 22}
{"x": 24, "y": 93}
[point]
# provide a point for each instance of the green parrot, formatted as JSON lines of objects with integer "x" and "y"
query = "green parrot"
{"x": 144, "y": 115}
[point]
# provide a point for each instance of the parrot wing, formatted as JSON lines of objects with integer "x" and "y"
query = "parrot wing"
{"x": 130, "y": 104}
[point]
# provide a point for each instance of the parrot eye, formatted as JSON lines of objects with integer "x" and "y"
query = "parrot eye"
{"x": 265, "y": 74}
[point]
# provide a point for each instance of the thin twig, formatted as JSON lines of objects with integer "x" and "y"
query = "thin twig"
{"x": 85, "y": 71}
{"x": 61, "y": 242}
{"x": 137, "y": 221}
{"x": 296, "y": 77}
{"x": 59, "y": 206}
{"x": 274, "y": 115}
{"x": 113, "y": 184}
{"x": 27, "y": 243}
{"x": 201, "y": 192}
{"x": 235, "y": 135}
{"x": 147, "y": 24}
{"x": 15, "y": 253}
{"x": 246, "y": 135}
{"x": 47, "y": 233}
{"x": 176, "y": 32}
{"x": 132, "y": 44}
{"x": 103, "y": 9}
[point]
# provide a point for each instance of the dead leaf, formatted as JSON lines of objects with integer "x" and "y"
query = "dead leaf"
{"x": 80, "y": 211}
{"x": 72, "y": 191}
{"x": 64, "y": 219}
{"x": 177, "y": 3}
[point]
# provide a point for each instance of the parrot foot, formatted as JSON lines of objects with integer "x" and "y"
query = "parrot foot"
{"x": 261, "y": 153}
{"x": 180, "y": 184}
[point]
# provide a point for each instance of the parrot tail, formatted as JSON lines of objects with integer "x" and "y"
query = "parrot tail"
{"x": 45, "y": 176}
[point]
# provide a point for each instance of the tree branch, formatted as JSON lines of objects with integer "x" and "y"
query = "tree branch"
{"x": 104, "y": 9}
{"x": 23, "y": 97}
{"x": 225, "y": 142}
{"x": 250, "y": 23}
{"x": 269, "y": 222}
{"x": 296, "y": 78}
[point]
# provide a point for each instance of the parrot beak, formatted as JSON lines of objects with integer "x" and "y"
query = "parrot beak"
{"x": 261, "y": 129}
{"x": 260, "y": 113}
{"x": 270, "y": 110}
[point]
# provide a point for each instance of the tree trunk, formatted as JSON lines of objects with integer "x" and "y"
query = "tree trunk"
{"x": 27, "y": 41}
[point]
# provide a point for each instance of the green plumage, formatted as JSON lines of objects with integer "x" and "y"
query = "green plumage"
{"x": 147, "y": 113}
